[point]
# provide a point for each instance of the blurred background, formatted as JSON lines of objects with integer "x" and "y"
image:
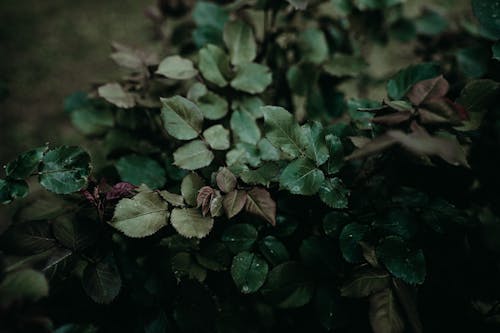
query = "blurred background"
{"x": 50, "y": 49}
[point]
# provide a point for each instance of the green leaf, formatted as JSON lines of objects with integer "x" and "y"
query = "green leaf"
{"x": 214, "y": 65}
{"x": 234, "y": 202}
{"x": 495, "y": 49}
{"x": 316, "y": 148}
{"x": 91, "y": 121}
{"x": 249, "y": 272}
{"x": 177, "y": 68}
{"x": 250, "y": 104}
{"x": 404, "y": 80}
{"x": 210, "y": 20}
{"x": 302, "y": 78}
{"x": 172, "y": 198}
{"x": 65, "y": 170}
{"x": 239, "y": 237}
{"x": 138, "y": 170}
{"x": 184, "y": 265}
{"x": 74, "y": 233}
{"x": 244, "y": 127}
{"x": 226, "y": 180}
{"x": 313, "y": 46}
{"x": 398, "y": 222}
{"x": 240, "y": 41}
{"x": 478, "y": 95}
{"x": 23, "y": 285}
{"x": 190, "y": 223}
{"x": 365, "y": 283}
{"x": 302, "y": 177}
{"x": 252, "y": 78}
{"x": 260, "y": 203}
{"x": 116, "y": 95}
{"x": 217, "y": 137}
{"x": 336, "y": 152}
{"x": 181, "y": 117}
{"x": 486, "y": 12}
{"x": 25, "y": 164}
{"x": 214, "y": 256}
{"x": 431, "y": 23}
{"x": 261, "y": 176}
{"x": 285, "y": 133}
{"x": 12, "y": 189}
{"x": 288, "y": 286}
{"x": 473, "y": 61}
{"x": 345, "y": 65}
{"x": 213, "y": 106}
{"x": 193, "y": 155}
{"x": 349, "y": 240}
{"x": 102, "y": 281}
{"x": 401, "y": 261}
{"x": 273, "y": 250}
{"x": 334, "y": 194}
{"x": 190, "y": 186}
{"x": 141, "y": 216}
{"x": 384, "y": 313}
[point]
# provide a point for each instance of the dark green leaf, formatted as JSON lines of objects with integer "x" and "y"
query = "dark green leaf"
{"x": 249, "y": 272}
{"x": 404, "y": 80}
{"x": 65, "y": 170}
{"x": 334, "y": 194}
{"x": 313, "y": 46}
{"x": 349, "y": 240}
{"x": 102, "y": 281}
{"x": 302, "y": 177}
{"x": 273, "y": 250}
{"x": 239, "y": 237}
{"x": 12, "y": 189}
{"x": 138, "y": 170}
{"x": 486, "y": 12}
{"x": 316, "y": 148}
{"x": 25, "y": 164}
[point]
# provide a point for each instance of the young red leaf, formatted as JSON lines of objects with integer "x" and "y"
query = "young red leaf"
{"x": 259, "y": 202}
{"x": 234, "y": 202}
{"x": 428, "y": 90}
{"x": 226, "y": 180}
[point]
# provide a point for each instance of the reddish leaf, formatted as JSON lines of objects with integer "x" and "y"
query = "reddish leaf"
{"x": 234, "y": 202}
{"x": 226, "y": 180}
{"x": 428, "y": 90}
{"x": 204, "y": 197}
{"x": 393, "y": 118}
{"x": 120, "y": 190}
{"x": 259, "y": 202}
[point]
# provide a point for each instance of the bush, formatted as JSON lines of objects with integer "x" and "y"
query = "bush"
{"x": 238, "y": 186}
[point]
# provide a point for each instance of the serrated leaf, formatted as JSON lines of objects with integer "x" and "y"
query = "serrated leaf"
{"x": 244, "y": 127}
{"x": 336, "y": 152}
{"x": 226, "y": 180}
{"x": 181, "y": 117}
{"x": 189, "y": 222}
{"x": 316, "y": 148}
{"x": 285, "y": 133}
{"x": 334, "y": 194}
{"x": 349, "y": 240}
{"x": 213, "y": 106}
{"x": 261, "y": 176}
{"x": 138, "y": 169}
{"x": 73, "y": 233}
{"x": 260, "y": 203}
{"x": 249, "y": 272}
{"x": 217, "y": 137}
{"x": 172, "y": 198}
{"x": 240, "y": 41}
{"x": 273, "y": 250}
{"x": 366, "y": 283}
{"x": 190, "y": 186}
{"x": 65, "y": 170}
{"x": 102, "y": 281}
{"x": 25, "y": 164}
{"x": 23, "y": 285}
{"x": 116, "y": 95}
{"x": 176, "y": 67}
{"x": 234, "y": 202}
{"x": 239, "y": 237}
{"x": 141, "y": 216}
{"x": 404, "y": 80}
{"x": 193, "y": 155}
{"x": 401, "y": 261}
{"x": 252, "y": 78}
{"x": 427, "y": 90}
{"x": 384, "y": 314}
{"x": 11, "y": 190}
{"x": 302, "y": 177}
{"x": 214, "y": 65}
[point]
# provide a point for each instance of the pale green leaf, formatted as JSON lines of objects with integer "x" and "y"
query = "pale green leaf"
{"x": 214, "y": 65}
{"x": 190, "y": 223}
{"x": 217, "y": 137}
{"x": 244, "y": 127}
{"x": 176, "y": 67}
{"x": 240, "y": 41}
{"x": 252, "y": 78}
{"x": 193, "y": 155}
{"x": 181, "y": 117}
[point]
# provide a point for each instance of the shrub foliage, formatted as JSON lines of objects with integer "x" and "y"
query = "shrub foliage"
{"x": 248, "y": 181}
